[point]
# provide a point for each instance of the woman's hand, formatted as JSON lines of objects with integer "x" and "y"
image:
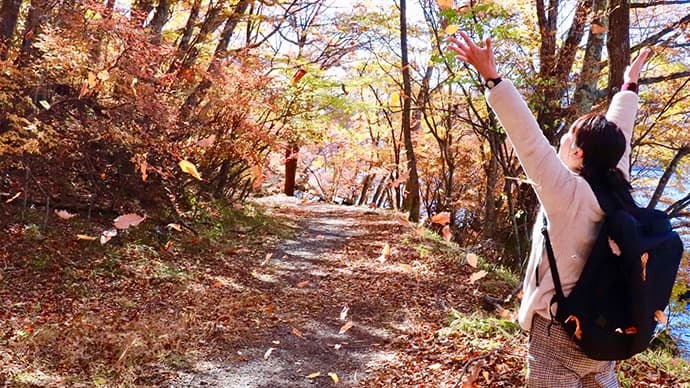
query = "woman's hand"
{"x": 632, "y": 72}
{"x": 481, "y": 59}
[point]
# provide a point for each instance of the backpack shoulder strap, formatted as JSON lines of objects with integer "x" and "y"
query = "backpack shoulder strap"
{"x": 552, "y": 264}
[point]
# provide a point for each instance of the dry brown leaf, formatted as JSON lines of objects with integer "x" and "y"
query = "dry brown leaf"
{"x": 441, "y": 218}
{"x": 334, "y": 377}
{"x": 614, "y": 247}
{"x": 578, "y": 329}
{"x": 64, "y": 214}
{"x": 660, "y": 317}
{"x": 343, "y": 313}
{"x": 127, "y": 220}
{"x": 477, "y": 275}
{"x": 643, "y": 259}
{"x": 106, "y": 235}
{"x": 447, "y": 234}
{"x": 297, "y": 332}
{"x": 297, "y": 76}
{"x": 303, "y": 283}
{"x": 472, "y": 260}
{"x": 346, "y": 327}
{"x": 85, "y": 237}
{"x": 14, "y": 197}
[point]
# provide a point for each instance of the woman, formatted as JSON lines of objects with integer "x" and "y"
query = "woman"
{"x": 593, "y": 154}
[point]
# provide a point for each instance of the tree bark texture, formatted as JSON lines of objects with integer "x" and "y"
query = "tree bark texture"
{"x": 9, "y": 13}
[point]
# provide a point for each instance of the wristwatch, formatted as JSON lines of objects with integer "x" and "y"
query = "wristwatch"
{"x": 492, "y": 82}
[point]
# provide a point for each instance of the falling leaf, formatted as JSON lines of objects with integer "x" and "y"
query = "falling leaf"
{"x": 447, "y": 234}
{"x": 14, "y": 197}
{"x": 127, "y": 220}
{"x": 631, "y": 330}
{"x": 660, "y": 316}
{"x": 268, "y": 353}
{"x": 614, "y": 247}
{"x": 346, "y": 327}
{"x": 64, "y": 214}
{"x": 302, "y": 283}
{"x": 472, "y": 260}
{"x": 395, "y": 101}
{"x": 334, "y": 377}
{"x": 441, "y": 218}
{"x": 297, "y": 332}
{"x": 578, "y": 330}
{"x": 297, "y": 76}
{"x": 189, "y": 168}
{"x": 106, "y": 235}
{"x": 314, "y": 375}
{"x": 598, "y": 28}
{"x": 85, "y": 237}
{"x": 176, "y": 227}
{"x": 644, "y": 258}
{"x": 477, "y": 275}
{"x": 266, "y": 259}
{"x": 445, "y": 4}
{"x": 207, "y": 142}
{"x": 44, "y": 104}
{"x": 103, "y": 176}
{"x": 452, "y": 29}
{"x": 343, "y": 313}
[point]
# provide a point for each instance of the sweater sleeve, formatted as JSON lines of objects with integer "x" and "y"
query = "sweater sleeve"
{"x": 553, "y": 182}
{"x": 622, "y": 111}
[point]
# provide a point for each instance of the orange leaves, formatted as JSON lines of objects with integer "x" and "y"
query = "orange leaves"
{"x": 445, "y": 4}
{"x": 64, "y": 214}
{"x": 660, "y": 316}
{"x": 614, "y": 247}
{"x": 578, "y": 329}
{"x": 346, "y": 327}
{"x": 442, "y": 218}
{"x": 628, "y": 331}
{"x": 297, "y": 332}
{"x": 598, "y": 29}
{"x": 643, "y": 259}
{"x": 297, "y": 76}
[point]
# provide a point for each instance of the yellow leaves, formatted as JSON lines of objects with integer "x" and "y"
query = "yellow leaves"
{"x": 85, "y": 237}
{"x": 318, "y": 162}
{"x": 314, "y": 375}
{"x": 452, "y": 29}
{"x": 334, "y": 377}
{"x": 660, "y": 317}
{"x": 578, "y": 329}
{"x": 643, "y": 259}
{"x": 385, "y": 252}
{"x": 395, "y": 99}
{"x": 189, "y": 168}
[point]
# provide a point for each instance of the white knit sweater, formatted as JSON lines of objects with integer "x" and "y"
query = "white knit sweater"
{"x": 570, "y": 205}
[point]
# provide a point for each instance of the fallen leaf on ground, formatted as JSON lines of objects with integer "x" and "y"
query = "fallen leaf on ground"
{"x": 268, "y": 353}
{"x": 343, "y": 313}
{"x": 435, "y": 366}
{"x": 64, "y": 214}
{"x": 14, "y": 197}
{"x": 268, "y": 257}
{"x": 127, "y": 220}
{"x": 189, "y": 168}
{"x": 477, "y": 275}
{"x": 441, "y": 218}
{"x": 334, "y": 377}
{"x": 302, "y": 283}
{"x": 176, "y": 227}
{"x": 85, "y": 237}
{"x": 106, "y": 235}
{"x": 346, "y": 327}
{"x": 297, "y": 332}
{"x": 472, "y": 260}
{"x": 314, "y": 375}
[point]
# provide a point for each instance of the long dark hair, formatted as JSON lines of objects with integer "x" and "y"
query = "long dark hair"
{"x": 603, "y": 145}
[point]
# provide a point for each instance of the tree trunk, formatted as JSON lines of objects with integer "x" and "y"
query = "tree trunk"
{"x": 186, "y": 37}
{"x": 291, "y": 155}
{"x": 9, "y": 12}
{"x": 159, "y": 19}
{"x": 365, "y": 188}
{"x": 618, "y": 43}
{"x": 661, "y": 186}
{"x": 32, "y": 28}
{"x": 586, "y": 88}
{"x": 411, "y": 202}
{"x": 490, "y": 215}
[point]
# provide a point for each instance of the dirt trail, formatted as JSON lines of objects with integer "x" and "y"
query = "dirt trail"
{"x": 312, "y": 279}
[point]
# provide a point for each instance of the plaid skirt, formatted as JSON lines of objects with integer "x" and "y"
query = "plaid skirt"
{"x": 554, "y": 360}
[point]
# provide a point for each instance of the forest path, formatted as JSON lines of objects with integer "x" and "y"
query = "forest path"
{"x": 330, "y": 276}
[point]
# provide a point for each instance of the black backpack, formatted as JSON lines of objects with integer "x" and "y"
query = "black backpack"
{"x": 613, "y": 310}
